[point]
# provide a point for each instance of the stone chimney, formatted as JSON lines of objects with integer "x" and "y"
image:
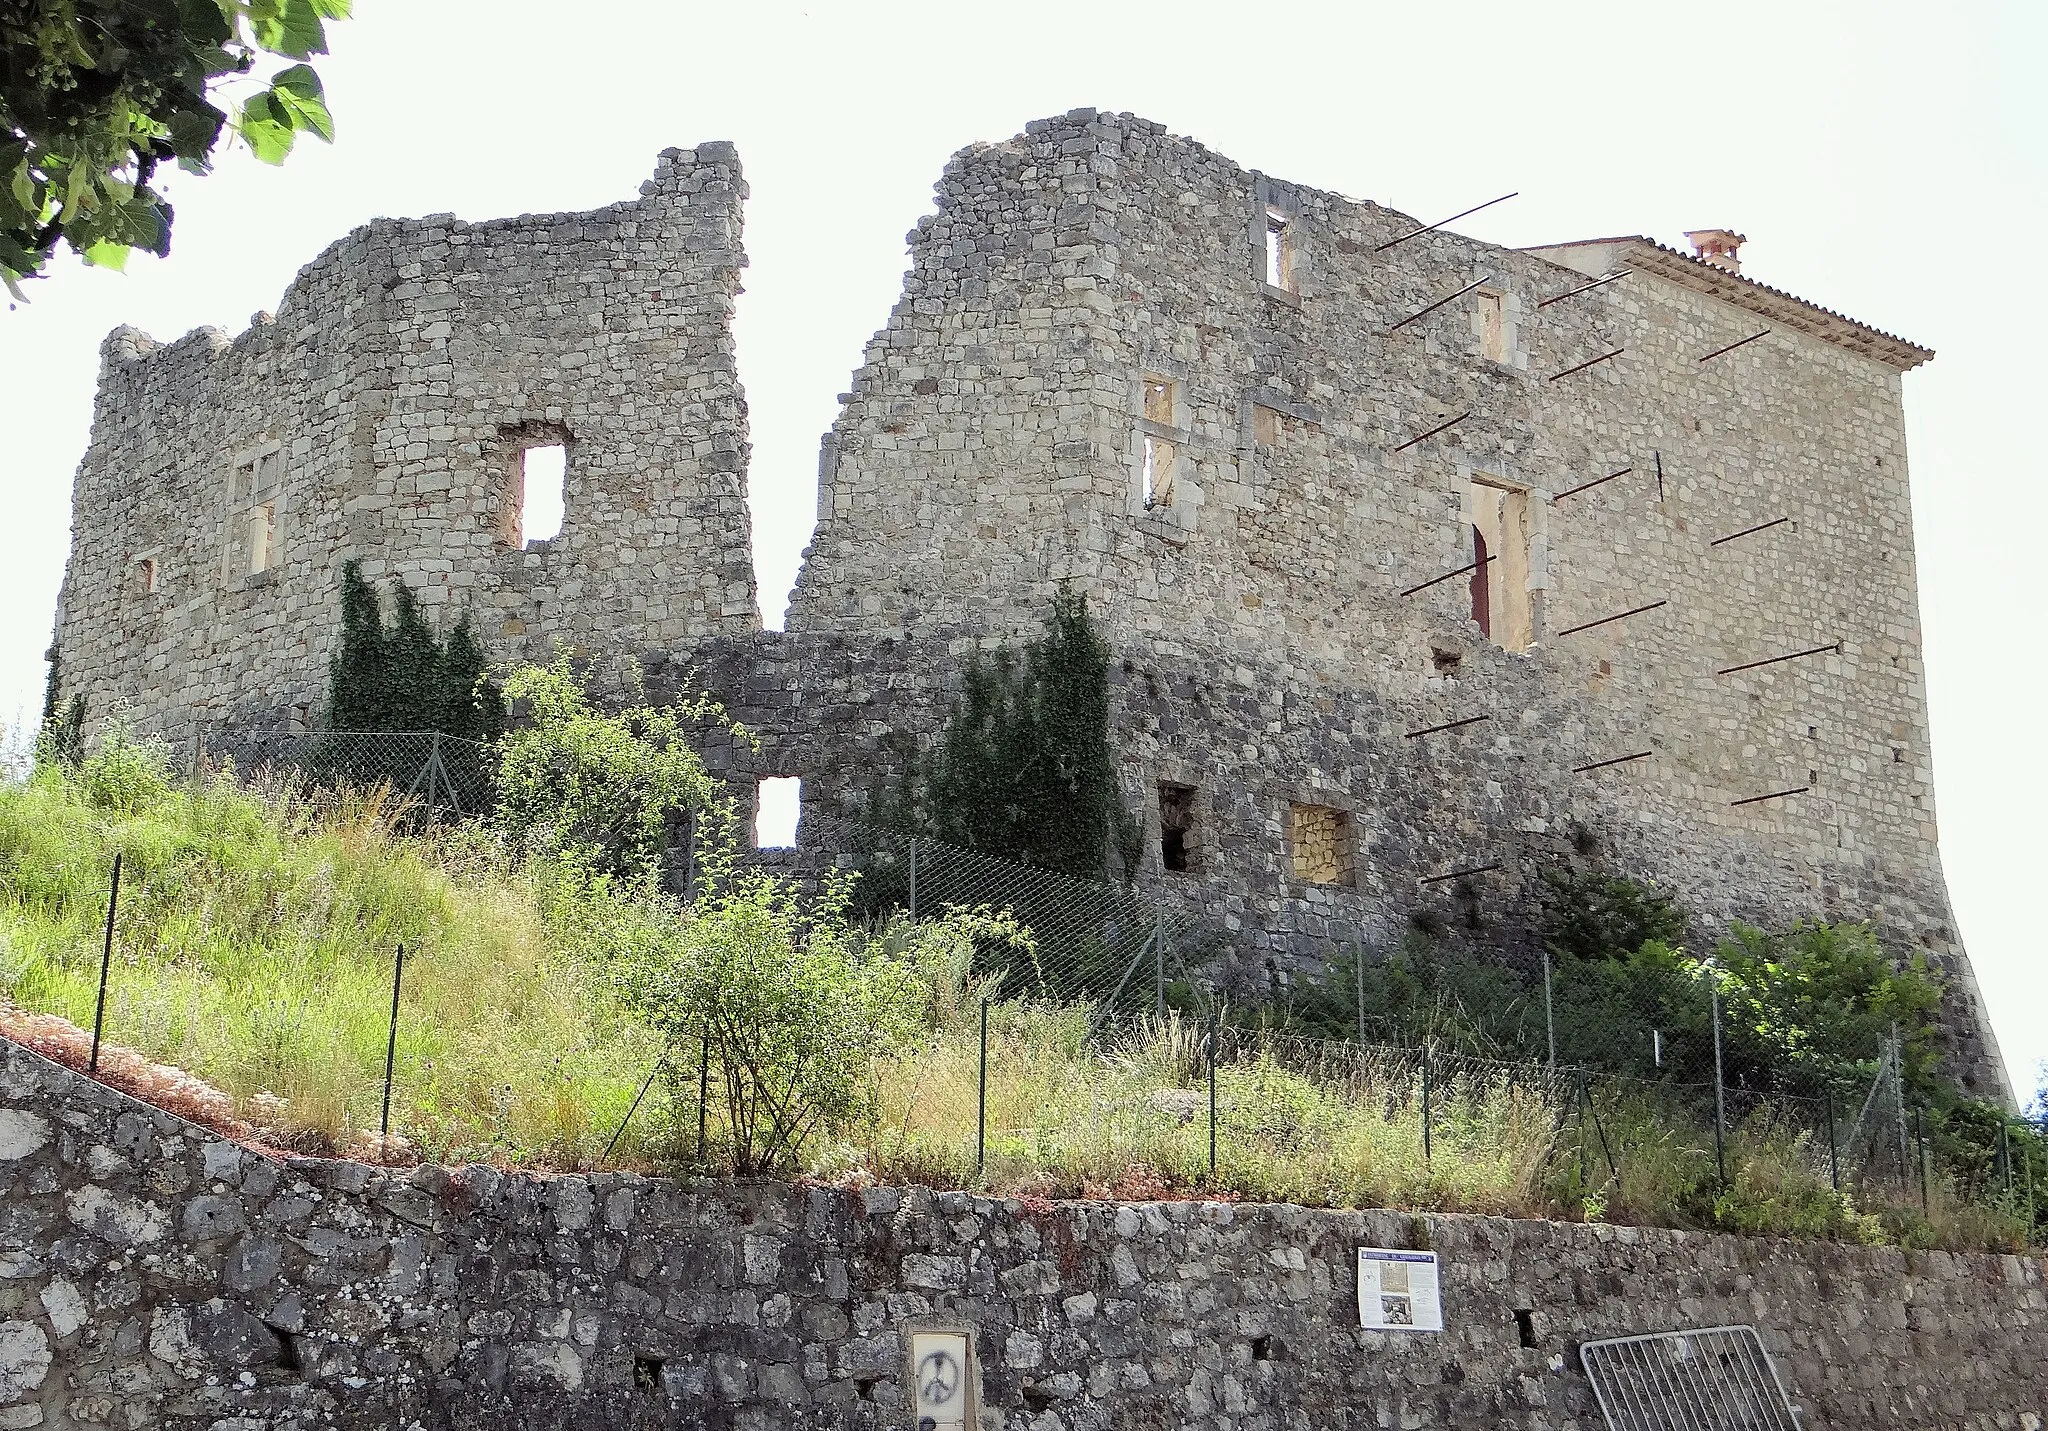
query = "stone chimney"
{"x": 1720, "y": 247}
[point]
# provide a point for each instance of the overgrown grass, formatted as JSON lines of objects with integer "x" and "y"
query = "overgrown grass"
{"x": 259, "y": 922}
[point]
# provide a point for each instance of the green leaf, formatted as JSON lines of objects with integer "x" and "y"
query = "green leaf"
{"x": 334, "y": 9}
{"x": 295, "y": 30}
{"x": 108, "y": 253}
{"x": 267, "y": 128}
{"x": 298, "y": 91}
{"x": 193, "y": 133}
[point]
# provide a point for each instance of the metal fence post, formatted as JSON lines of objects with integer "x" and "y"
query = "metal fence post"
{"x": 1358, "y": 978}
{"x": 1428, "y": 1148}
{"x": 1720, "y": 1086}
{"x": 99, "y": 1007}
{"x": 913, "y": 879}
{"x": 1834, "y": 1157}
{"x": 703, "y": 1089}
{"x": 981, "y": 1097}
{"x": 1549, "y": 1010}
{"x": 391, "y": 1042}
{"x": 1158, "y": 965}
{"x": 1920, "y": 1145}
{"x": 1212, "y": 1095}
{"x": 2005, "y": 1155}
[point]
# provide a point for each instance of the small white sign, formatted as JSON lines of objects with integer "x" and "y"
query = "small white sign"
{"x": 938, "y": 1362}
{"x": 1398, "y": 1291}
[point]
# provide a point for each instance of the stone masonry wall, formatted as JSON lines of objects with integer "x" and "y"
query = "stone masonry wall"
{"x": 155, "y": 1277}
{"x": 993, "y": 445}
{"x": 396, "y": 384}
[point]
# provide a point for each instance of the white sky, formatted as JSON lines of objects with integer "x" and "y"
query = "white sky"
{"x": 1885, "y": 159}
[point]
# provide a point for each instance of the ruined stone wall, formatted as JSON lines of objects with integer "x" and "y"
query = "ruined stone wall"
{"x": 384, "y": 407}
{"x": 993, "y": 446}
{"x": 156, "y": 1277}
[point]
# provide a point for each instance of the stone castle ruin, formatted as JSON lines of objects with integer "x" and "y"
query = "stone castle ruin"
{"x": 1428, "y": 563}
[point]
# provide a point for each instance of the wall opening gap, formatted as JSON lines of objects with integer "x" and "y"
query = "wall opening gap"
{"x": 543, "y": 473}
{"x": 1279, "y": 251}
{"x": 778, "y": 804}
{"x": 1176, "y": 827}
{"x": 647, "y": 1373}
{"x": 1525, "y": 1326}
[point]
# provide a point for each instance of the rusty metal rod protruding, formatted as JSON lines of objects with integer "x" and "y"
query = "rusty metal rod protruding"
{"x": 1440, "y": 427}
{"x": 1589, "y": 363}
{"x": 1749, "y": 531}
{"x": 1733, "y": 346}
{"x": 1468, "y": 566}
{"x": 1583, "y": 288}
{"x": 1617, "y": 760}
{"x": 1428, "y": 228}
{"x": 1453, "y": 298}
{"x": 1589, "y": 486}
{"x": 1773, "y": 660}
{"x": 1618, "y": 616}
{"x": 1460, "y": 874}
{"x": 1447, "y": 725}
{"x": 1774, "y": 795}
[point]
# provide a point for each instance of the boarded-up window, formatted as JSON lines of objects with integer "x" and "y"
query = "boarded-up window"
{"x": 1319, "y": 841}
{"x": 1159, "y": 396}
{"x": 255, "y": 497}
{"x": 1493, "y": 326}
{"x": 1176, "y": 826}
{"x": 1267, "y": 427}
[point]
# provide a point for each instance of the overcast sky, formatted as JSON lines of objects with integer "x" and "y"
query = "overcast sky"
{"x": 1885, "y": 159}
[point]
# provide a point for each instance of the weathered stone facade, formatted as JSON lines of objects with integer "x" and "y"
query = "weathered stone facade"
{"x": 1200, "y": 393}
{"x": 156, "y": 1277}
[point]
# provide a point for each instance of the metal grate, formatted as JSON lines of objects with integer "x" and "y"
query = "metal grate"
{"x": 1713, "y": 1379}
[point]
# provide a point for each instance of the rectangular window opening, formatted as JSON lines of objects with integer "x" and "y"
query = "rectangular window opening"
{"x": 1493, "y": 326}
{"x": 1279, "y": 250}
{"x": 1501, "y": 603}
{"x": 778, "y": 806}
{"x": 1176, "y": 827}
{"x": 538, "y": 492}
{"x": 1159, "y": 396}
{"x": 1158, "y": 460}
{"x": 262, "y": 537}
{"x": 1267, "y": 428}
{"x": 145, "y": 576}
{"x": 1319, "y": 838}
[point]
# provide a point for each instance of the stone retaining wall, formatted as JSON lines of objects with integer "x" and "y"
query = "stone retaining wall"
{"x": 155, "y": 1275}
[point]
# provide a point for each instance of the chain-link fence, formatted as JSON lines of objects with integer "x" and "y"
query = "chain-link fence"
{"x": 1633, "y": 1076}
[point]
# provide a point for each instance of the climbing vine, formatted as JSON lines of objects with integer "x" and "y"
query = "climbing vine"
{"x": 400, "y": 676}
{"x": 1024, "y": 769}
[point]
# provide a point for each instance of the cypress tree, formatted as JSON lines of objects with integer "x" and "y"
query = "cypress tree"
{"x": 400, "y": 677}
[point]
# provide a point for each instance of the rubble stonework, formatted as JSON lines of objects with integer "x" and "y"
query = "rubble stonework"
{"x": 156, "y": 1277}
{"x": 1090, "y": 378}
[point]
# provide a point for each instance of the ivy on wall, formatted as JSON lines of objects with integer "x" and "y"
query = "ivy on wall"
{"x": 63, "y": 732}
{"x": 1024, "y": 770}
{"x": 400, "y": 676}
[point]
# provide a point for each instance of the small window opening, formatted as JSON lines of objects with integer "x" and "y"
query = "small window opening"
{"x": 145, "y": 577}
{"x": 1447, "y": 663}
{"x": 1267, "y": 429}
{"x": 1525, "y": 1326}
{"x": 1501, "y": 603}
{"x": 1320, "y": 839}
{"x": 1262, "y": 1349}
{"x": 647, "y": 1373}
{"x": 779, "y": 803}
{"x": 1493, "y": 327}
{"x": 1158, "y": 461}
{"x": 1279, "y": 250}
{"x": 1159, "y": 396}
{"x": 262, "y": 537}
{"x": 1176, "y": 826}
{"x": 538, "y": 492}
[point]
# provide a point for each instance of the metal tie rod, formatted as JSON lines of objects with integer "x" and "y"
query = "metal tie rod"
{"x": 1447, "y": 725}
{"x": 1749, "y": 531}
{"x": 1440, "y": 427}
{"x": 1589, "y": 486}
{"x": 1774, "y": 795}
{"x": 1584, "y": 288}
{"x": 1460, "y": 874}
{"x": 1618, "y": 616}
{"x": 1773, "y": 660}
{"x": 1425, "y": 312}
{"x": 1427, "y": 228}
{"x": 1589, "y": 363}
{"x": 1733, "y": 346}
{"x": 1468, "y": 566}
{"x": 1617, "y": 760}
